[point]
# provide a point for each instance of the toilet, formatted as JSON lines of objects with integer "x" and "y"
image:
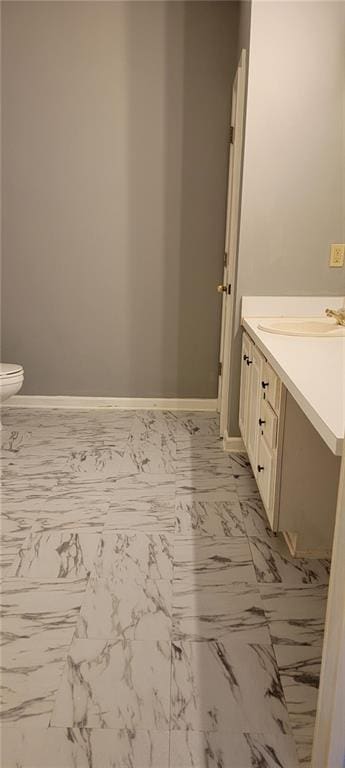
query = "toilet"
{"x": 11, "y": 380}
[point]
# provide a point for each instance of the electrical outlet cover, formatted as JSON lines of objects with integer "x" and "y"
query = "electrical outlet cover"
{"x": 337, "y": 255}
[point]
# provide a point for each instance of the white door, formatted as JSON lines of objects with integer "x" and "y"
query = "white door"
{"x": 231, "y": 238}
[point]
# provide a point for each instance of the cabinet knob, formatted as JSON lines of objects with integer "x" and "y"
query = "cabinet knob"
{"x": 264, "y": 384}
{"x": 260, "y": 469}
{"x": 261, "y": 422}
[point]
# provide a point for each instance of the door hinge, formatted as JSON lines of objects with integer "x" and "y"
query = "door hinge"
{"x": 225, "y": 259}
{"x": 229, "y": 289}
{"x": 232, "y": 132}
{"x": 220, "y": 367}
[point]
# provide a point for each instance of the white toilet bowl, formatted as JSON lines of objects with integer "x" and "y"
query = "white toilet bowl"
{"x": 11, "y": 380}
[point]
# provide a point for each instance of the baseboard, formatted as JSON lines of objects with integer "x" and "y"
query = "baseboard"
{"x": 317, "y": 554}
{"x": 233, "y": 444}
{"x": 123, "y": 403}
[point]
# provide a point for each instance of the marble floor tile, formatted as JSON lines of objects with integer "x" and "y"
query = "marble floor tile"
{"x": 199, "y": 485}
{"x": 205, "y": 454}
{"x": 155, "y": 428}
{"x": 32, "y": 464}
{"x": 29, "y": 608}
{"x": 299, "y": 668}
{"x": 70, "y": 423}
{"x": 96, "y": 461}
{"x": 19, "y": 489}
{"x": 245, "y": 484}
{"x": 12, "y": 440}
{"x": 303, "y": 736}
{"x": 134, "y": 556}
{"x": 141, "y": 516}
{"x": 74, "y": 459}
{"x": 62, "y": 516}
{"x": 10, "y": 543}
{"x": 199, "y": 452}
{"x": 254, "y": 515}
{"x": 210, "y": 518}
{"x": 203, "y": 561}
{"x": 271, "y": 556}
{"x": 126, "y": 608}
{"x": 37, "y": 626}
{"x": 83, "y": 748}
{"x": 222, "y": 697}
{"x": 29, "y": 696}
{"x": 34, "y": 599}
{"x": 16, "y": 525}
{"x": 95, "y": 490}
{"x": 31, "y": 669}
{"x": 197, "y": 423}
{"x": 143, "y": 502}
{"x": 211, "y": 613}
{"x": 273, "y": 563}
{"x": 115, "y": 684}
{"x": 61, "y": 555}
{"x": 240, "y": 465}
{"x": 296, "y": 615}
{"x": 144, "y": 487}
{"x": 151, "y": 446}
{"x": 63, "y": 507}
{"x": 223, "y": 749}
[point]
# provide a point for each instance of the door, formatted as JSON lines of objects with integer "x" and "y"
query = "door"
{"x": 231, "y": 238}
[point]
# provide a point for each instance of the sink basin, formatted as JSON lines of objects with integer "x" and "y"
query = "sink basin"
{"x": 303, "y": 326}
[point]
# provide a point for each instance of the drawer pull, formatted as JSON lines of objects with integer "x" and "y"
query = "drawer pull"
{"x": 261, "y": 422}
{"x": 249, "y": 362}
{"x": 260, "y": 469}
{"x": 264, "y": 384}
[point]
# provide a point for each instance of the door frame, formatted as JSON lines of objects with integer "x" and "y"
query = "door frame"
{"x": 231, "y": 238}
{"x": 329, "y": 735}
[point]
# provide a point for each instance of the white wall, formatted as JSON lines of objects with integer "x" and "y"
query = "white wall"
{"x": 293, "y": 199}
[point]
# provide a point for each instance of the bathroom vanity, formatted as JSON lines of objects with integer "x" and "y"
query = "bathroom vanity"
{"x": 292, "y": 421}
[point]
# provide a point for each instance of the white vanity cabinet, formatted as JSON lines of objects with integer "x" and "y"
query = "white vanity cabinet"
{"x": 296, "y": 473}
{"x": 260, "y": 401}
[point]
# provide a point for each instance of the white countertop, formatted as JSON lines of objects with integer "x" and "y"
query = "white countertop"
{"x": 312, "y": 370}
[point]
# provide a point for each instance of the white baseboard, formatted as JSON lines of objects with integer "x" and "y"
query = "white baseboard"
{"x": 233, "y": 444}
{"x": 123, "y": 403}
{"x": 316, "y": 554}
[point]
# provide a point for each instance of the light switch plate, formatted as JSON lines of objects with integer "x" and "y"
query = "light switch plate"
{"x": 337, "y": 256}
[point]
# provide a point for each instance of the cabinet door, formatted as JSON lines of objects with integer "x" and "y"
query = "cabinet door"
{"x": 265, "y": 478}
{"x": 247, "y": 347}
{"x": 254, "y": 398}
{"x": 268, "y": 422}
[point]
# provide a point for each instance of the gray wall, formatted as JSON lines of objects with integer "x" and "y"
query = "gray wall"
{"x": 293, "y": 202}
{"x": 115, "y": 127}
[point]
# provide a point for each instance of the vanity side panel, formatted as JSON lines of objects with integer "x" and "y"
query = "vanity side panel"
{"x": 308, "y": 484}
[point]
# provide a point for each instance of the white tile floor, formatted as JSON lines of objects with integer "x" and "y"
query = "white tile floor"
{"x": 150, "y": 619}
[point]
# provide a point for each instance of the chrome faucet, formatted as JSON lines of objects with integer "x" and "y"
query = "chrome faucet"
{"x": 338, "y": 314}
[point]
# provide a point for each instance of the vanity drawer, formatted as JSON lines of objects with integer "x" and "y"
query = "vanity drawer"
{"x": 271, "y": 386}
{"x": 268, "y": 423}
